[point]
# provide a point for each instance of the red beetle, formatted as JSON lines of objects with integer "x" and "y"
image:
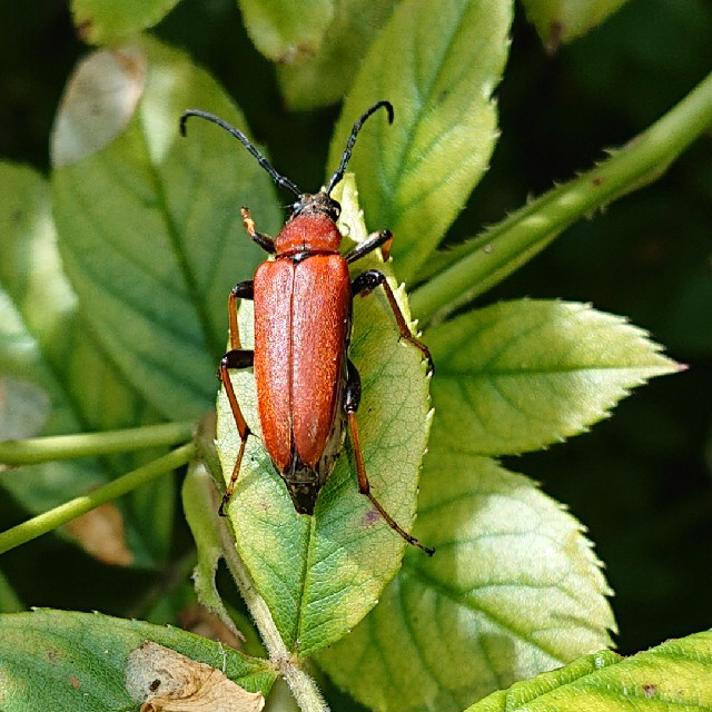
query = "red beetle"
{"x": 307, "y": 388}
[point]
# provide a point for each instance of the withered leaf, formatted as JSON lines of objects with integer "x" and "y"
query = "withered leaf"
{"x": 166, "y": 681}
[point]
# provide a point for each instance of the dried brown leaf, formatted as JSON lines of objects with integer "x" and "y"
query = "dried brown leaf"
{"x": 101, "y": 533}
{"x": 166, "y": 681}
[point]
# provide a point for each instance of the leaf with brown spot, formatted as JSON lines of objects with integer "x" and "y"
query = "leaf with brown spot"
{"x": 166, "y": 681}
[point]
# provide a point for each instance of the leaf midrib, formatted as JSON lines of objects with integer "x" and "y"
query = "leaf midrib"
{"x": 212, "y": 340}
{"x": 533, "y": 371}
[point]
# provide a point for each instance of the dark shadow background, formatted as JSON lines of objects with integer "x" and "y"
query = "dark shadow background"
{"x": 640, "y": 481}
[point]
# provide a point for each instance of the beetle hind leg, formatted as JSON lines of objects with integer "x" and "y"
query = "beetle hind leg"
{"x": 237, "y": 358}
{"x": 351, "y": 402}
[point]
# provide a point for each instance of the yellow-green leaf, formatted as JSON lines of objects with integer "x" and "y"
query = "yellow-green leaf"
{"x": 109, "y": 22}
{"x": 560, "y": 21}
{"x": 438, "y": 62}
{"x": 324, "y": 78}
{"x": 286, "y": 31}
{"x": 676, "y": 675}
{"x": 521, "y": 375}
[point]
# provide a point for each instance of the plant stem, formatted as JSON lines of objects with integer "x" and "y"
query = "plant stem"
{"x": 47, "y": 521}
{"x": 303, "y": 687}
{"x": 474, "y": 267}
{"x": 65, "y": 447}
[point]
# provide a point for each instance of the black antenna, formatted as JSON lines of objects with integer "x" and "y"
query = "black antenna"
{"x": 278, "y": 179}
{"x": 352, "y": 140}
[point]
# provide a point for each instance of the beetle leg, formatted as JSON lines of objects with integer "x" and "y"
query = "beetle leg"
{"x": 382, "y": 239}
{"x": 352, "y": 398}
{"x": 365, "y": 283}
{"x": 242, "y": 290}
{"x": 236, "y": 358}
{"x": 264, "y": 241}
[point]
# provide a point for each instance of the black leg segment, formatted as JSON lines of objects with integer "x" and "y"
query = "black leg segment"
{"x": 382, "y": 239}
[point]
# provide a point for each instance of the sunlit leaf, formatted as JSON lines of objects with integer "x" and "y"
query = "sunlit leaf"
{"x": 284, "y": 30}
{"x": 324, "y": 78}
{"x": 676, "y": 675}
{"x": 521, "y": 375}
{"x": 47, "y": 346}
{"x": 321, "y": 574}
{"x": 108, "y": 21}
{"x": 560, "y": 21}
{"x": 57, "y": 660}
{"x": 513, "y": 589}
{"x": 438, "y": 62}
{"x": 149, "y": 223}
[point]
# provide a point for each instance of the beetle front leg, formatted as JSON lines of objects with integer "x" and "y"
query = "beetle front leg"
{"x": 365, "y": 283}
{"x": 264, "y": 241}
{"x": 382, "y": 239}
{"x": 237, "y": 358}
{"x": 352, "y": 398}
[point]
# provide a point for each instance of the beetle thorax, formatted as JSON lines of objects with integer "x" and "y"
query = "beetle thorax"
{"x": 308, "y": 232}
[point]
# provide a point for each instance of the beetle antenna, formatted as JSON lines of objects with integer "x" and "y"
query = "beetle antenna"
{"x": 346, "y": 156}
{"x": 280, "y": 180}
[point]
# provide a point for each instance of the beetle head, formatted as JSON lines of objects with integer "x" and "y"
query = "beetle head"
{"x": 316, "y": 203}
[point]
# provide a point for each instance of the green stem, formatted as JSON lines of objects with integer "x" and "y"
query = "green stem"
{"x": 65, "y": 447}
{"x": 479, "y": 264}
{"x": 47, "y": 521}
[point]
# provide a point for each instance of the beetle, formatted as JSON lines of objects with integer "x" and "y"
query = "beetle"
{"x": 308, "y": 390}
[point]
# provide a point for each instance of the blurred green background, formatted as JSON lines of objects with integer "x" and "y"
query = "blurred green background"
{"x": 641, "y": 481}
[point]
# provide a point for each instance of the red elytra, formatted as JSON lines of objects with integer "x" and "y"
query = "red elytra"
{"x": 308, "y": 391}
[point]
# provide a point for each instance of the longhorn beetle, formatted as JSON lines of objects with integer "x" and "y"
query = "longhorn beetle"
{"x": 307, "y": 388}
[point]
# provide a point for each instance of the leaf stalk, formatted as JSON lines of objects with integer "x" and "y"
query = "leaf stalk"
{"x": 32, "y": 451}
{"x": 56, "y": 517}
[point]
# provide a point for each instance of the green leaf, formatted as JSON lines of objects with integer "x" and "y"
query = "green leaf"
{"x": 149, "y": 222}
{"x": 109, "y": 22}
{"x": 560, "y": 21}
{"x": 438, "y": 63}
{"x": 321, "y": 574}
{"x": 513, "y": 589}
{"x": 58, "y": 660}
{"x": 286, "y": 31}
{"x": 48, "y": 352}
{"x": 674, "y": 675}
{"x": 9, "y": 601}
{"x": 521, "y": 375}
{"x": 323, "y": 79}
